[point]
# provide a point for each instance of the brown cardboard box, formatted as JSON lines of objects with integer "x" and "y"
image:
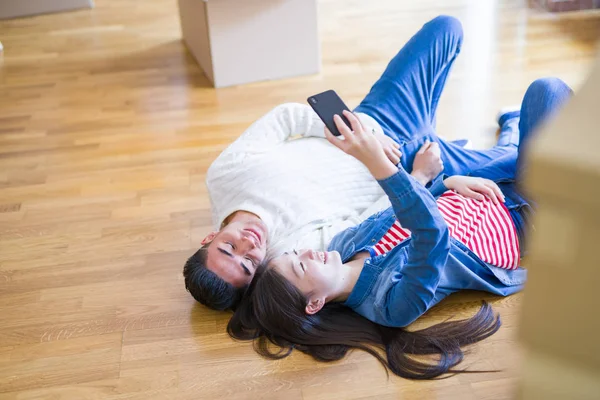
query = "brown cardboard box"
{"x": 241, "y": 41}
{"x": 553, "y": 378}
{"x": 21, "y": 8}
{"x": 561, "y": 312}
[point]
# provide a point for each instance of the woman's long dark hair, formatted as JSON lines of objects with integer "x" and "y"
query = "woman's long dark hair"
{"x": 273, "y": 311}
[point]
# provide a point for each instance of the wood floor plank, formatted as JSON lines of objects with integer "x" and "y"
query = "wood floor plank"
{"x": 60, "y": 362}
{"x": 107, "y": 129}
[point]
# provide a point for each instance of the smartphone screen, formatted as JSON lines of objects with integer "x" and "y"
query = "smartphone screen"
{"x": 326, "y": 105}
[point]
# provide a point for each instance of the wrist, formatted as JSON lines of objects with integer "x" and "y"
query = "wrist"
{"x": 448, "y": 182}
{"x": 383, "y": 170}
{"x": 420, "y": 177}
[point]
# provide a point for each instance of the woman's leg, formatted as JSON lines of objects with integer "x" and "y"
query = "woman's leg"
{"x": 405, "y": 98}
{"x": 504, "y": 167}
{"x": 541, "y": 102}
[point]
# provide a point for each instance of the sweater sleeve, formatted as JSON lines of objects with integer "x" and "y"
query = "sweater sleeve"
{"x": 417, "y": 280}
{"x": 277, "y": 126}
{"x": 263, "y": 136}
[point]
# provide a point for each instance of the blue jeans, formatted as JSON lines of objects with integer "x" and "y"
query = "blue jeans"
{"x": 404, "y": 102}
{"x": 542, "y": 100}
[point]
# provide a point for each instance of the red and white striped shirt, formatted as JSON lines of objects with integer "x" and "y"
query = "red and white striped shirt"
{"x": 484, "y": 227}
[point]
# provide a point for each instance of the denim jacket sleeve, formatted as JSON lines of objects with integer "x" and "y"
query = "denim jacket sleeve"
{"x": 416, "y": 281}
{"x": 437, "y": 187}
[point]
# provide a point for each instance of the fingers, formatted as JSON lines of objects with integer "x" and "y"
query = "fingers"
{"x": 343, "y": 128}
{"x": 482, "y": 188}
{"x": 392, "y": 156}
{"x": 424, "y": 148}
{"x": 472, "y": 194}
{"x": 330, "y": 137}
{"x": 354, "y": 122}
{"x": 492, "y": 185}
{"x": 392, "y": 142}
{"x": 397, "y": 152}
{"x": 334, "y": 140}
{"x": 434, "y": 147}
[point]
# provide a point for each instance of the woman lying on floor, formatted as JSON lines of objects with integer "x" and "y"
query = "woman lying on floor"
{"x": 380, "y": 276}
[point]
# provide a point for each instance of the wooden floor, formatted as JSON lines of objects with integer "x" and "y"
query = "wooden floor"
{"x": 107, "y": 127}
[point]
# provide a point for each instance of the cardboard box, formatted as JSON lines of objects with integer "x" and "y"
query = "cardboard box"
{"x": 21, "y": 8}
{"x": 553, "y": 378}
{"x": 561, "y": 310}
{"x": 241, "y": 41}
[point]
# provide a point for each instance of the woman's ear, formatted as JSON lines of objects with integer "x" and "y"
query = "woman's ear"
{"x": 314, "y": 305}
{"x": 209, "y": 238}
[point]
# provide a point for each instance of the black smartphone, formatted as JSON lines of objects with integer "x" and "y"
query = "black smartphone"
{"x": 326, "y": 105}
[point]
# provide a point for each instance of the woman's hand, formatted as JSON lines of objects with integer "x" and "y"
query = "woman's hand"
{"x": 390, "y": 147}
{"x": 474, "y": 188}
{"x": 428, "y": 163}
{"x": 362, "y": 145}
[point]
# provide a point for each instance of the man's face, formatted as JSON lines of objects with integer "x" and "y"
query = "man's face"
{"x": 237, "y": 250}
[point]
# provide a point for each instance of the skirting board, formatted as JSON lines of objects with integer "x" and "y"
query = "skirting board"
{"x": 22, "y": 8}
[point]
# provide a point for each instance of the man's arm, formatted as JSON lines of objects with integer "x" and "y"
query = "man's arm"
{"x": 264, "y": 135}
{"x": 277, "y": 126}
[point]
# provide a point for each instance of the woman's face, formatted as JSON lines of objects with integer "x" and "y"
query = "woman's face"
{"x": 314, "y": 273}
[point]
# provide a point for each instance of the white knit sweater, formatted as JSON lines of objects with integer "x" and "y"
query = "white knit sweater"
{"x": 305, "y": 190}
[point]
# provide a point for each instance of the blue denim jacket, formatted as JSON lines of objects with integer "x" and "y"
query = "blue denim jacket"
{"x": 396, "y": 288}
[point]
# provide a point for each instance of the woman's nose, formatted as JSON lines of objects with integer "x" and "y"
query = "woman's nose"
{"x": 307, "y": 253}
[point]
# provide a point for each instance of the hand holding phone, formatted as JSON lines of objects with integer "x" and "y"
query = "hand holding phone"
{"x": 328, "y": 104}
{"x": 362, "y": 145}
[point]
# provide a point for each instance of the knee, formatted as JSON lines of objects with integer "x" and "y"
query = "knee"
{"x": 447, "y": 25}
{"x": 549, "y": 87}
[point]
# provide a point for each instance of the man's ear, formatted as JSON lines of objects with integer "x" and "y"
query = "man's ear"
{"x": 315, "y": 305}
{"x": 209, "y": 238}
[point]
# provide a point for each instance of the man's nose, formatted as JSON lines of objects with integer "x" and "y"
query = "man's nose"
{"x": 247, "y": 243}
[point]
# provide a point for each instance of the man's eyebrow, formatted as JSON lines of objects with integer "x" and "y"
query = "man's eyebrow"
{"x": 225, "y": 252}
{"x": 246, "y": 270}
{"x": 228, "y": 254}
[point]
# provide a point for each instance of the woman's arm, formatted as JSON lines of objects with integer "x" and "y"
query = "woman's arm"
{"x": 417, "y": 210}
{"x": 427, "y": 251}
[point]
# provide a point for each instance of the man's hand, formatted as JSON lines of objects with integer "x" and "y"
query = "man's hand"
{"x": 475, "y": 188}
{"x": 428, "y": 162}
{"x": 361, "y": 145}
